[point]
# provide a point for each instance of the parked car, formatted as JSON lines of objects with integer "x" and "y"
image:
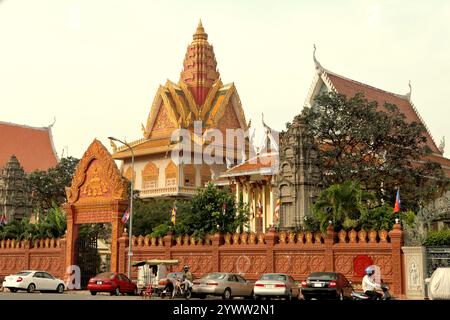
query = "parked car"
{"x": 227, "y": 285}
{"x": 33, "y": 280}
{"x": 276, "y": 285}
{"x": 112, "y": 282}
{"x": 326, "y": 285}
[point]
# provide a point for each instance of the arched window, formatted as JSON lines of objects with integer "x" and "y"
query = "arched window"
{"x": 149, "y": 176}
{"x": 171, "y": 175}
{"x": 189, "y": 175}
{"x": 128, "y": 175}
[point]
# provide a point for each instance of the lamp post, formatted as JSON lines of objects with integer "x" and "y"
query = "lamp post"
{"x": 130, "y": 235}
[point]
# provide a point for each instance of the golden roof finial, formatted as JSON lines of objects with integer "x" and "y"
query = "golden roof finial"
{"x": 200, "y": 32}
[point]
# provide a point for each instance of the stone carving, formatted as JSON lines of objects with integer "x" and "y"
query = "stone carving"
{"x": 179, "y": 240}
{"x": 299, "y": 179}
{"x": 15, "y": 193}
{"x": 261, "y": 238}
{"x": 342, "y": 236}
{"x": 414, "y": 277}
{"x": 282, "y": 237}
{"x": 104, "y": 177}
{"x": 228, "y": 238}
{"x": 309, "y": 237}
{"x": 352, "y": 236}
{"x": 373, "y": 236}
{"x": 291, "y": 238}
{"x": 244, "y": 237}
{"x": 344, "y": 264}
{"x": 252, "y": 238}
{"x": 383, "y": 235}
{"x": 362, "y": 235}
{"x": 236, "y": 238}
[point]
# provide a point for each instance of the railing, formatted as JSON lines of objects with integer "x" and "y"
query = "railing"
{"x": 174, "y": 190}
{"x": 437, "y": 257}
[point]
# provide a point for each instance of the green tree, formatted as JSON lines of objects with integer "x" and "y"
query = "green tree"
{"x": 360, "y": 141}
{"x": 209, "y": 215}
{"x": 48, "y": 187}
{"x": 342, "y": 204}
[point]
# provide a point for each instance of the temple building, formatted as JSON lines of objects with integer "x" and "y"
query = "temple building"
{"x": 199, "y": 98}
{"x": 23, "y": 149}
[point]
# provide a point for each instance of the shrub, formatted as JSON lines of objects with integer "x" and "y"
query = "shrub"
{"x": 438, "y": 238}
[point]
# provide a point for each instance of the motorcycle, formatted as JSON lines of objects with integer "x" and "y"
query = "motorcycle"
{"x": 357, "y": 295}
{"x": 182, "y": 289}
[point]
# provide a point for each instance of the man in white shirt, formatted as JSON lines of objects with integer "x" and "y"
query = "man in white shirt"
{"x": 369, "y": 286}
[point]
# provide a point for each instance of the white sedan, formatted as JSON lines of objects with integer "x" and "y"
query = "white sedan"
{"x": 33, "y": 280}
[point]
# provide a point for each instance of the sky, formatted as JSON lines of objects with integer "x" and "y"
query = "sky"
{"x": 95, "y": 66}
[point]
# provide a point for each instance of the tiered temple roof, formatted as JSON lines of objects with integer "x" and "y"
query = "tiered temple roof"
{"x": 330, "y": 81}
{"x": 33, "y": 147}
{"x": 199, "y": 95}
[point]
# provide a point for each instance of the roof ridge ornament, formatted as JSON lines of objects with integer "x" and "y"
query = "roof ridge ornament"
{"x": 408, "y": 95}
{"x": 319, "y": 67}
{"x": 442, "y": 145}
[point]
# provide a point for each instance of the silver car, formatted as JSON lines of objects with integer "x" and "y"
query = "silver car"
{"x": 227, "y": 285}
{"x": 276, "y": 285}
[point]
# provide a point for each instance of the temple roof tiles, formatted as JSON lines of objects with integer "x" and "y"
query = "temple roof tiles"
{"x": 32, "y": 146}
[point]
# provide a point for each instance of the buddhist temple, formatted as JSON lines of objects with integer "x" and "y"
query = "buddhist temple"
{"x": 23, "y": 149}
{"x": 198, "y": 98}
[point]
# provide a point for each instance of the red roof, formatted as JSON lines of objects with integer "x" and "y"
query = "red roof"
{"x": 265, "y": 164}
{"x": 33, "y": 147}
{"x": 350, "y": 87}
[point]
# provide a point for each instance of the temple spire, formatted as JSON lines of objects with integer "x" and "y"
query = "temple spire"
{"x": 319, "y": 68}
{"x": 199, "y": 67}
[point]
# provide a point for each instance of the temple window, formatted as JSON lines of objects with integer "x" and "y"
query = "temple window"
{"x": 128, "y": 174}
{"x": 189, "y": 175}
{"x": 149, "y": 176}
{"x": 171, "y": 175}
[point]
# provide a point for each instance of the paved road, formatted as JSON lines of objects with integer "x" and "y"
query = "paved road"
{"x": 71, "y": 295}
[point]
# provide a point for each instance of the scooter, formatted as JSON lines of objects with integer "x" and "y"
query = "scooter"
{"x": 358, "y": 295}
{"x": 182, "y": 289}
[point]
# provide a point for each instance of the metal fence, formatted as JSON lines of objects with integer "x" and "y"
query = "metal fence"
{"x": 437, "y": 257}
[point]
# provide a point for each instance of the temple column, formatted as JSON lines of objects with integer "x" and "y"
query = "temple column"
{"x": 271, "y": 205}
{"x": 263, "y": 204}
{"x": 198, "y": 177}
{"x": 180, "y": 175}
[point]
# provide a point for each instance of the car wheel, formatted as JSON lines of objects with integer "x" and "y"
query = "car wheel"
{"x": 31, "y": 288}
{"x": 93, "y": 293}
{"x": 60, "y": 288}
{"x": 226, "y": 294}
{"x": 13, "y": 290}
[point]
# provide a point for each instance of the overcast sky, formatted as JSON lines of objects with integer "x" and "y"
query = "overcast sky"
{"x": 95, "y": 65}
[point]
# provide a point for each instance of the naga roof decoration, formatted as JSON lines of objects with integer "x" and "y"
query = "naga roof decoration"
{"x": 199, "y": 95}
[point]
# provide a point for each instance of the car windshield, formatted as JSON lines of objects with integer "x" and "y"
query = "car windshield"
{"x": 108, "y": 275}
{"x": 276, "y": 277}
{"x": 22, "y": 273}
{"x": 216, "y": 276}
{"x": 323, "y": 276}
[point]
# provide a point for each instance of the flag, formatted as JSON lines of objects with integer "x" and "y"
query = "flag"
{"x": 277, "y": 210}
{"x": 397, "y": 202}
{"x": 173, "y": 216}
{"x": 126, "y": 215}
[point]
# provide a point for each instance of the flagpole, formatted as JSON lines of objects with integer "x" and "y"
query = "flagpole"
{"x": 130, "y": 234}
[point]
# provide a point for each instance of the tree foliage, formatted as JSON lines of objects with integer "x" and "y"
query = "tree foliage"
{"x": 48, "y": 187}
{"x": 360, "y": 141}
{"x": 348, "y": 206}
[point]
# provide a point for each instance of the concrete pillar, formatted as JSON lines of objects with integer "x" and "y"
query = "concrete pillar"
{"x": 414, "y": 265}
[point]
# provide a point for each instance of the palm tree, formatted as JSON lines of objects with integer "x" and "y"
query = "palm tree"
{"x": 342, "y": 204}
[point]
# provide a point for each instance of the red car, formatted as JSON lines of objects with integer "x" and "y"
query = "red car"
{"x": 114, "y": 283}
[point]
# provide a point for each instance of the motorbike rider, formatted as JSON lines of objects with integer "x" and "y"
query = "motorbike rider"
{"x": 369, "y": 286}
{"x": 188, "y": 278}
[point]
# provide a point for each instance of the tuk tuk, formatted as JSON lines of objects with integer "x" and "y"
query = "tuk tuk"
{"x": 151, "y": 271}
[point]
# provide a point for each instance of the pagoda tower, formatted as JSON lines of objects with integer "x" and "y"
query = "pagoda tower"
{"x": 15, "y": 197}
{"x": 198, "y": 96}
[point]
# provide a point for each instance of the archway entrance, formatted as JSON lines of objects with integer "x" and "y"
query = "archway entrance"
{"x": 98, "y": 194}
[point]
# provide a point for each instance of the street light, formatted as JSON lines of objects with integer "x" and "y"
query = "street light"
{"x": 130, "y": 235}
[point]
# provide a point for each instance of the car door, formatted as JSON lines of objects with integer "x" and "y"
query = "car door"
{"x": 50, "y": 282}
{"x": 127, "y": 284}
{"x": 39, "y": 281}
{"x": 245, "y": 287}
{"x": 232, "y": 283}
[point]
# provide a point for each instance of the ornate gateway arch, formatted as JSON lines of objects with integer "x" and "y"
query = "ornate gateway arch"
{"x": 98, "y": 194}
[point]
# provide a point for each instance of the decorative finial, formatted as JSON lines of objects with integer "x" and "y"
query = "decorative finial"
{"x": 113, "y": 145}
{"x": 442, "y": 145}
{"x": 200, "y": 33}
{"x": 408, "y": 95}
{"x": 143, "y": 128}
{"x": 51, "y": 125}
{"x": 318, "y": 66}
